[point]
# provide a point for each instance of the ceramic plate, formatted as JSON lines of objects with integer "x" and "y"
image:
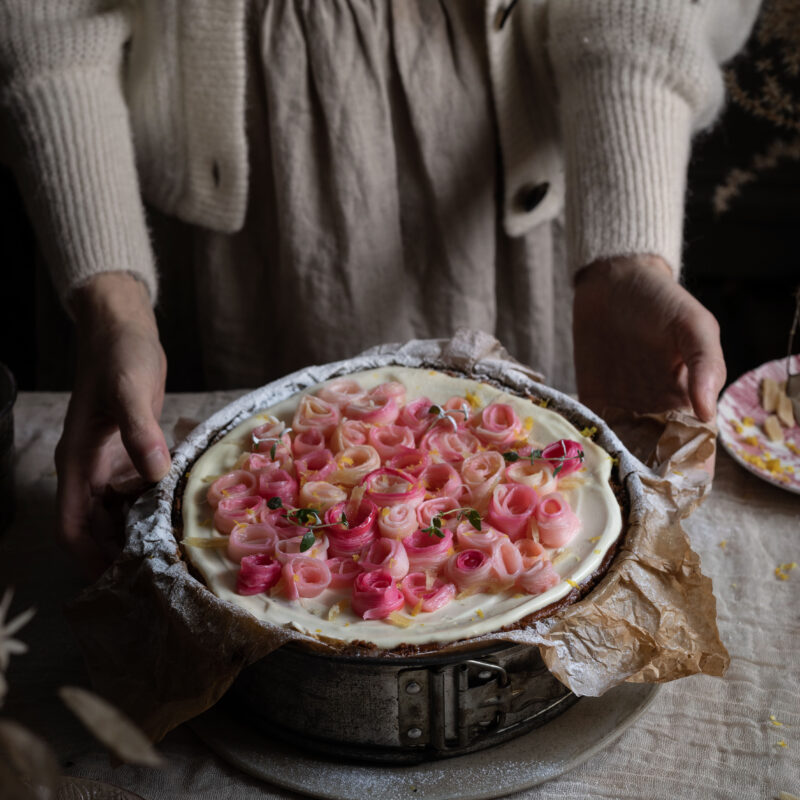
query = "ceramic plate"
{"x": 560, "y": 745}
{"x": 740, "y": 418}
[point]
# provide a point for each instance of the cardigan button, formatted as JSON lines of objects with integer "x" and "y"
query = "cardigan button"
{"x": 530, "y": 195}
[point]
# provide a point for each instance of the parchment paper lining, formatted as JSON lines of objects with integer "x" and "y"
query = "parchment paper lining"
{"x": 164, "y": 648}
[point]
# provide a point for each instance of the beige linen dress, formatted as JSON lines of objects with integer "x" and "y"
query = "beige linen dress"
{"x": 374, "y": 208}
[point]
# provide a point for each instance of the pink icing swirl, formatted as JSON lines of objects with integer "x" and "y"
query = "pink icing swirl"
{"x": 421, "y": 598}
{"x": 441, "y": 480}
{"x": 278, "y": 483}
{"x": 347, "y": 541}
{"x": 411, "y": 460}
{"x": 531, "y": 552}
{"x": 318, "y": 465}
{"x": 238, "y": 483}
{"x": 450, "y": 445}
{"x": 349, "y": 433}
{"x": 565, "y": 454}
{"x": 321, "y": 495}
{"x": 557, "y": 522}
{"x": 468, "y": 538}
{"x": 314, "y": 412}
{"x": 354, "y": 464}
{"x": 538, "y": 578}
{"x": 375, "y": 409}
{"x": 305, "y": 577}
{"x": 426, "y": 550}
{"x": 387, "y": 487}
{"x": 397, "y": 521}
{"x": 343, "y": 571}
{"x": 511, "y": 508}
{"x": 341, "y": 391}
{"x": 538, "y": 476}
{"x": 287, "y": 549}
{"x": 506, "y": 562}
{"x": 387, "y": 554}
{"x": 390, "y": 440}
{"x": 375, "y": 595}
{"x": 470, "y": 570}
{"x": 307, "y": 441}
{"x": 481, "y": 473}
{"x": 277, "y": 521}
{"x": 249, "y": 540}
{"x": 231, "y": 510}
{"x": 258, "y": 573}
{"x": 497, "y": 425}
{"x": 416, "y": 416}
{"x": 393, "y": 389}
{"x": 429, "y": 509}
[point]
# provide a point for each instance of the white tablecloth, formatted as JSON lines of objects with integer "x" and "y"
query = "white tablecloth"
{"x": 703, "y": 737}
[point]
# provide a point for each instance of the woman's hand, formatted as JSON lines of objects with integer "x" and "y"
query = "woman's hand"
{"x": 111, "y": 431}
{"x": 642, "y": 342}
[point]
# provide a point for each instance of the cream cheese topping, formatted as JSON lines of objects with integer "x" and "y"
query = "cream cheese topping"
{"x": 588, "y": 492}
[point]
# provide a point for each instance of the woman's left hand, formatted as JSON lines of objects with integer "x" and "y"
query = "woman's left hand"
{"x": 642, "y": 342}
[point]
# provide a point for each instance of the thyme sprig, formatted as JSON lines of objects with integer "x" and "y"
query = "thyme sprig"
{"x": 535, "y": 455}
{"x": 470, "y": 514}
{"x": 257, "y": 440}
{"x": 306, "y": 518}
{"x": 440, "y": 414}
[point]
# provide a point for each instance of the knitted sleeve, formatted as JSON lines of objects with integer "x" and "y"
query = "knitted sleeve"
{"x": 635, "y": 79}
{"x": 64, "y": 114}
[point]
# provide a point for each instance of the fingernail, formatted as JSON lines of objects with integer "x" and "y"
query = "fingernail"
{"x": 157, "y": 464}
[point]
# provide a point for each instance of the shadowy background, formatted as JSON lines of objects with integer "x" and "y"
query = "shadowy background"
{"x": 742, "y": 251}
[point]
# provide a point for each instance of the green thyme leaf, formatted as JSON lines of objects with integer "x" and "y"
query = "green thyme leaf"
{"x": 307, "y": 541}
{"x": 273, "y": 450}
{"x": 274, "y": 502}
{"x": 343, "y": 521}
{"x": 474, "y": 519}
{"x": 511, "y": 456}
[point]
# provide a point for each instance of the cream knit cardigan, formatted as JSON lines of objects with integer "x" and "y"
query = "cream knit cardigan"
{"x": 106, "y": 101}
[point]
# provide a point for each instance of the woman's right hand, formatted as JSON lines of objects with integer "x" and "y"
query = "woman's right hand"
{"x": 111, "y": 430}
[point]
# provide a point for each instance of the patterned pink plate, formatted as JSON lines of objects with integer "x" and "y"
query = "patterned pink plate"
{"x": 740, "y": 418}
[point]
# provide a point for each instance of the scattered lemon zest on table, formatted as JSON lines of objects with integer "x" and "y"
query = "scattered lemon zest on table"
{"x": 774, "y": 721}
{"x": 782, "y": 570}
{"x": 723, "y": 544}
{"x": 781, "y": 743}
{"x": 787, "y": 796}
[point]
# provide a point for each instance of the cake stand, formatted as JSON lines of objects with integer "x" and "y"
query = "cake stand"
{"x": 533, "y": 758}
